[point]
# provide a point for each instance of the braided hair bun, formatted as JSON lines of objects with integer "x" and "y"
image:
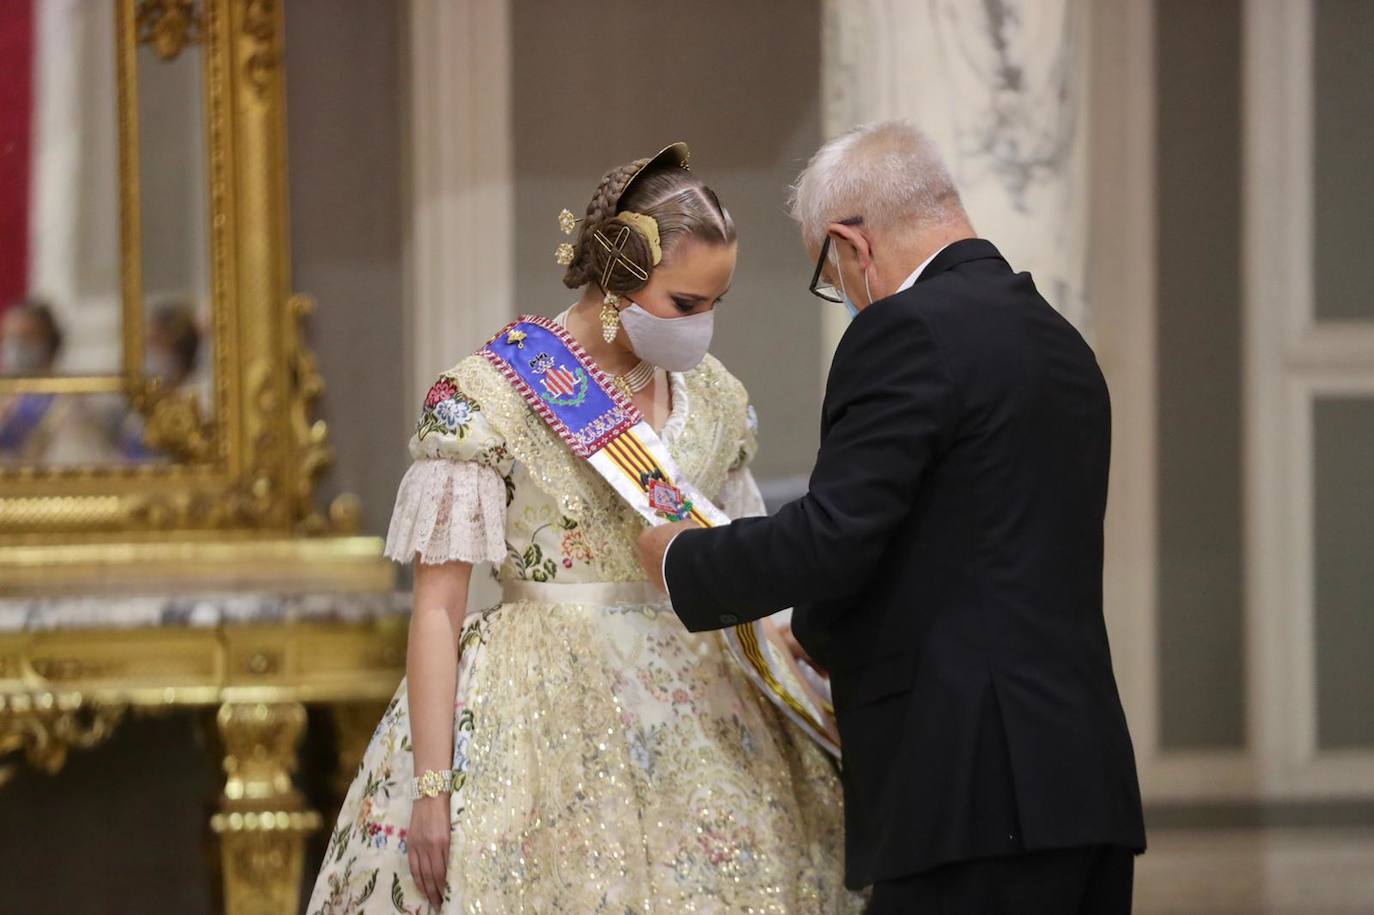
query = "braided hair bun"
{"x": 660, "y": 187}
{"x": 590, "y": 261}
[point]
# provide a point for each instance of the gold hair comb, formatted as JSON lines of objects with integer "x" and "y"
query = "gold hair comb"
{"x": 565, "y": 252}
{"x": 646, "y": 226}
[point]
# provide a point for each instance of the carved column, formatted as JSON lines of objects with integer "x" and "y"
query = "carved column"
{"x": 1001, "y": 86}
{"x": 460, "y": 249}
{"x": 263, "y": 820}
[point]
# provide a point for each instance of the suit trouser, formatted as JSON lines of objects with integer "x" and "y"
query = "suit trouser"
{"x": 1095, "y": 880}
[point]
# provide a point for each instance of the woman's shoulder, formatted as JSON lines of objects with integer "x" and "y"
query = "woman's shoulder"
{"x": 465, "y": 367}
{"x": 455, "y": 418}
{"x": 460, "y": 383}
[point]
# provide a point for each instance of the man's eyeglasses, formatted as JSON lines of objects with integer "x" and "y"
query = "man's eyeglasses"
{"x": 819, "y": 286}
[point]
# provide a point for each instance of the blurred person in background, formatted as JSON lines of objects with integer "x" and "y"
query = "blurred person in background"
{"x": 38, "y": 427}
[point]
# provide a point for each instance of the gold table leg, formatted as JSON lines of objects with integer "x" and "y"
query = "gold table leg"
{"x": 354, "y": 724}
{"x": 263, "y": 820}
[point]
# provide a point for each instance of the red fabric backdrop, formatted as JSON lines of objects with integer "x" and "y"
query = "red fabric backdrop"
{"x": 16, "y": 147}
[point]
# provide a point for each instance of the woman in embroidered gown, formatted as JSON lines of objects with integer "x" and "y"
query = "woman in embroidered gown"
{"x": 603, "y": 758}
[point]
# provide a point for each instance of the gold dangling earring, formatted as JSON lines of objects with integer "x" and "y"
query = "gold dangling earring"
{"x": 610, "y": 317}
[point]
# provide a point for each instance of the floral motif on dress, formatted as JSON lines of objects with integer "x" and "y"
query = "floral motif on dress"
{"x": 575, "y": 547}
{"x": 447, "y": 410}
{"x": 540, "y": 538}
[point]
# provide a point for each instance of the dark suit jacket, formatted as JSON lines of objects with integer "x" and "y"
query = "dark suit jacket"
{"x": 946, "y": 567}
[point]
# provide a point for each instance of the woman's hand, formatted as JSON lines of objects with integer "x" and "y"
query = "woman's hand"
{"x": 427, "y": 846}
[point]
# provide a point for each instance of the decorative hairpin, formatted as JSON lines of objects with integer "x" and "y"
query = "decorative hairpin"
{"x": 617, "y": 257}
{"x": 565, "y": 252}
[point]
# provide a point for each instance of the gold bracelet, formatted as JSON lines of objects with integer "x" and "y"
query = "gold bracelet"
{"x": 431, "y": 784}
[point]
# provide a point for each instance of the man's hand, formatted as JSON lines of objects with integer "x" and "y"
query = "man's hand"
{"x": 653, "y": 543}
{"x": 795, "y": 648}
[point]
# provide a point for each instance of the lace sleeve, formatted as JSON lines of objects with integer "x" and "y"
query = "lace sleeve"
{"x": 452, "y": 501}
{"x": 447, "y": 511}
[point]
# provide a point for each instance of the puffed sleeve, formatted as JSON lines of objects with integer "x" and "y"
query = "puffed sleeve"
{"x": 451, "y": 504}
{"x": 740, "y": 496}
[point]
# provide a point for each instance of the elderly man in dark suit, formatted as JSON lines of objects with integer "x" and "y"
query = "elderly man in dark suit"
{"x": 946, "y": 562}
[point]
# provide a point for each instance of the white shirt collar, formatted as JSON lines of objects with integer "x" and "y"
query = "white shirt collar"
{"x": 916, "y": 274}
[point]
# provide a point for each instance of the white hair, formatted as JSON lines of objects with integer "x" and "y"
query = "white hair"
{"x": 887, "y": 172}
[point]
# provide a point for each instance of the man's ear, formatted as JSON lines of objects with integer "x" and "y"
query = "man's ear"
{"x": 852, "y": 236}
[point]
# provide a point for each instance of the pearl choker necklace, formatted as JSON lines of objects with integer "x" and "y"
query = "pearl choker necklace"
{"x": 633, "y": 381}
{"x": 636, "y": 379}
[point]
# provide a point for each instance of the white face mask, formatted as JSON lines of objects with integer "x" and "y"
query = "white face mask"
{"x": 674, "y": 344}
{"x": 20, "y": 357}
{"x": 159, "y": 364}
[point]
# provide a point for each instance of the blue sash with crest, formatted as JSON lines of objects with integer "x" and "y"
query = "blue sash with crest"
{"x": 600, "y": 424}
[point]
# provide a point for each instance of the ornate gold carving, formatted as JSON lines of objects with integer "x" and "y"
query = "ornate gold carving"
{"x": 23, "y": 515}
{"x": 251, "y": 462}
{"x": 263, "y": 820}
{"x": 260, "y": 748}
{"x": 260, "y": 24}
{"x": 71, "y": 668}
{"x": 169, "y": 26}
{"x": 314, "y": 455}
{"x": 45, "y": 726}
{"x": 346, "y": 513}
{"x": 151, "y": 667}
{"x": 263, "y": 663}
{"x": 173, "y": 421}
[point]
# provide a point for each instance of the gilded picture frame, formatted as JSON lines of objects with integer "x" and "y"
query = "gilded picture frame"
{"x": 241, "y": 480}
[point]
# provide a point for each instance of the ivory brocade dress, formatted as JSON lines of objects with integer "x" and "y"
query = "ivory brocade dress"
{"x": 606, "y": 759}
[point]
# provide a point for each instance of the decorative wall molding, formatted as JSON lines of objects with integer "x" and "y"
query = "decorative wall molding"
{"x": 1290, "y": 361}
{"x": 1278, "y": 872}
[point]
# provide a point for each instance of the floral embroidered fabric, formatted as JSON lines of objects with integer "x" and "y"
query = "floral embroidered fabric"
{"x": 607, "y": 760}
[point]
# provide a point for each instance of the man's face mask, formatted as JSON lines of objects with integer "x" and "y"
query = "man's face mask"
{"x": 848, "y": 302}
